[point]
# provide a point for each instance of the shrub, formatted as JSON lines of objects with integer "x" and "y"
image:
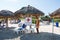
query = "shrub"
{"x": 56, "y": 20}
{"x": 33, "y": 21}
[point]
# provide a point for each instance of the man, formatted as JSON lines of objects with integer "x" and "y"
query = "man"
{"x": 37, "y": 25}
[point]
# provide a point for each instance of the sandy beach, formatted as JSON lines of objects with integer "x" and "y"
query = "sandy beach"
{"x": 45, "y": 34}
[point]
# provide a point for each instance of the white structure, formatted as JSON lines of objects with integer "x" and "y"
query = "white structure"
{"x": 28, "y": 21}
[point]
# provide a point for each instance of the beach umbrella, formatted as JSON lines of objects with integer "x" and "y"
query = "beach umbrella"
{"x": 6, "y": 14}
{"x": 28, "y": 11}
{"x": 55, "y": 14}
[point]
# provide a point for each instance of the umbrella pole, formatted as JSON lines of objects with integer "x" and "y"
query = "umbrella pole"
{"x": 6, "y": 22}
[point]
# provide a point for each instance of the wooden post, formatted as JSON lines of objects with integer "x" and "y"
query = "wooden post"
{"x": 37, "y": 24}
{"x": 6, "y": 22}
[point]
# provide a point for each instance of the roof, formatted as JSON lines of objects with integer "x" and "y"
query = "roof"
{"x": 55, "y": 12}
{"x": 29, "y": 9}
{"x": 6, "y": 13}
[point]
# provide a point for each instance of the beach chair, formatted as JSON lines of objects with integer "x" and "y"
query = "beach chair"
{"x": 31, "y": 30}
{"x": 20, "y": 29}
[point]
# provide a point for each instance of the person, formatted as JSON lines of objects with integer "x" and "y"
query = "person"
{"x": 19, "y": 23}
{"x": 19, "y": 20}
{"x": 23, "y": 26}
{"x": 0, "y": 23}
{"x": 37, "y": 25}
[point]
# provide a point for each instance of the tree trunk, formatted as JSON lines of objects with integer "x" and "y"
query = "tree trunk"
{"x": 6, "y": 22}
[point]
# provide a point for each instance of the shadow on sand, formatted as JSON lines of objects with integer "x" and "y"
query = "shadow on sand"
{"x": 9, "y": 34}
{"x": 40, "y": 36}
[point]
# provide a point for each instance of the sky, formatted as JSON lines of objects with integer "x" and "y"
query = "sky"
{"x": 46, "y": 6}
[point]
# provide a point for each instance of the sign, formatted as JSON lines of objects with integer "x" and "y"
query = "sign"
{"x": 28, "y": 21}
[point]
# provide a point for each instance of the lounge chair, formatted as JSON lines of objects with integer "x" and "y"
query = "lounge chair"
{"x": 20, "y": 29}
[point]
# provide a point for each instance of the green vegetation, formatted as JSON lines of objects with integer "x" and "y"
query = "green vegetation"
{"x": 56, "y": 20}
{"x": 45, "y": 18}
{"x": 21, "y": 18}
{"x": 33, "y": 21}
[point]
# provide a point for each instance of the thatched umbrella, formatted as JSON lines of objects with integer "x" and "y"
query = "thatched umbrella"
{"x": 6, "y": 14}
{"x": 55, "y": 14}
{"x": 28, "y": 11}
